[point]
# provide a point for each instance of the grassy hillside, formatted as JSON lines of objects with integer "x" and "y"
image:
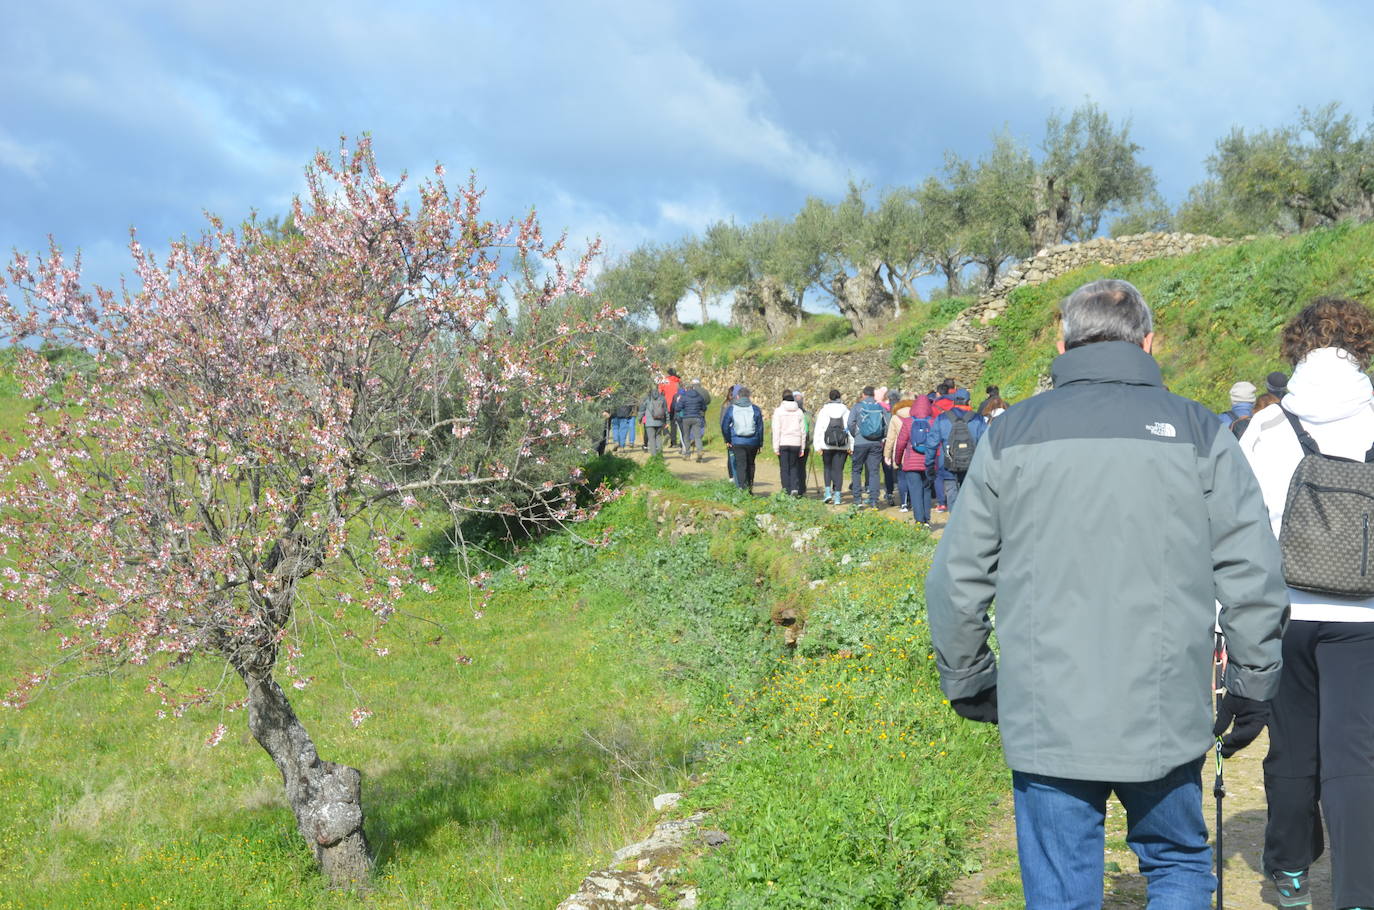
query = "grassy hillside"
{"x": 1217, "y": 312}
{"x": 602, "y": 677}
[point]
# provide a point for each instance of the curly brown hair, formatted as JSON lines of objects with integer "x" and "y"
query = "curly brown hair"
{"x": 1330, "y": 322}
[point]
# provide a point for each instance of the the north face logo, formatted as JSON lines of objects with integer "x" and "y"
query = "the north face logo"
{"x": 1162, "y": 429}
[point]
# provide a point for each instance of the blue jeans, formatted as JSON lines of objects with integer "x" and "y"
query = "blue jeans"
{"x": 1060, "y": 839}
{"x": 916, "y": 493}
{"x": 623, "y": 429}
{"x": 868, "y": 457}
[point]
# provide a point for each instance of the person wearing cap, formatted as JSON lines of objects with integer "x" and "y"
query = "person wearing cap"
{"x": 1242, "y": 403}
{"x": 689, "y": 408}
{"x": 1108, "y": 517}
{"x": 1277, "y": 384}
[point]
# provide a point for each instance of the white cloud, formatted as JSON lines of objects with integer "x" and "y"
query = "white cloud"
{"x": 24, "y": 159}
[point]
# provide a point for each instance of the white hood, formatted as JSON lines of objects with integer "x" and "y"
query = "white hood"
{"x": 1328, "y": 385}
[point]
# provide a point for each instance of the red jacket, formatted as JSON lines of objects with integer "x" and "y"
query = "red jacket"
{"x": 669, "y": 387}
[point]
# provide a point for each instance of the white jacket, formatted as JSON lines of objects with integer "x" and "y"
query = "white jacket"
{"x": 789, "y": 426}
{"x": 830, "y": 409}
{"x": 1333, "y": 399}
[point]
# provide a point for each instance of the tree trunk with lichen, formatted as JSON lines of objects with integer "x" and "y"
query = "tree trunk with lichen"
{"x": 325, "y": 797}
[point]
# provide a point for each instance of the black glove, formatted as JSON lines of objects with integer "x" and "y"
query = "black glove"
{"x": 981, "y": 707}
{"x": 1250, "y": 718}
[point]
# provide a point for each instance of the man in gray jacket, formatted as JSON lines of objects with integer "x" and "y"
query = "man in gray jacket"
{"x": 1108, "y": 517}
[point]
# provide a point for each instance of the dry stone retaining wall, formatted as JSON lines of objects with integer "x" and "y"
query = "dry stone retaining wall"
{"x": 958, "y": 350}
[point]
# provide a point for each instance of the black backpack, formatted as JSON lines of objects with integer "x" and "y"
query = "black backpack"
{"x": 658, "y": 408}
{"x": 836, "y": 437}
{"x": 1325, "y": 538}
{"x": 959, "y": 449}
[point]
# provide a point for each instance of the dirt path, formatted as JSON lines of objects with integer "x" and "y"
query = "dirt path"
{"x": 997, "y": 884}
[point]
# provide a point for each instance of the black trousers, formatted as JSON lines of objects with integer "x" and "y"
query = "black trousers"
{"x": 833, "y": 460}
{"x": 1321, "y": 757}
{"x": 789, "y": 469}
{"x": 744, "y": 466}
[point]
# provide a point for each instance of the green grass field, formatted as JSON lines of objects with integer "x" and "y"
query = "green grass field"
{"x": 604, "y": 677}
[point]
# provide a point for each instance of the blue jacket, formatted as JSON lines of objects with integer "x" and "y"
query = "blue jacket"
{"x": 690, "y": 403}
{"x": 856, "y": 412}
{"x": 727, "y": 424}
{"x": 1238, "y": 410}
{"x": 944, "y": 425}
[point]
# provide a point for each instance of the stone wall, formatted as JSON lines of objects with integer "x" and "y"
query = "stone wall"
{"x": 957, "y": 350}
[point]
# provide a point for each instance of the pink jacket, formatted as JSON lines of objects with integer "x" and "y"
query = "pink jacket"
{"x": 911, "y": 460}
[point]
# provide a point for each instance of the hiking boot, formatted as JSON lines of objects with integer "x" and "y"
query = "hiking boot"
{"x": 1292, "y": 888}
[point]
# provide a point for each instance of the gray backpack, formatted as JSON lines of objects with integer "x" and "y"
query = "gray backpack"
{"x": 1327, "y": 514}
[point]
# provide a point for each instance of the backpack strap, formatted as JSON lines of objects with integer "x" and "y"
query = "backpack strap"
{"x": 1309, "y": 445}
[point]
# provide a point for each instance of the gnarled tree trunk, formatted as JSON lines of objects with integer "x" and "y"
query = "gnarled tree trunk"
{"x": 863, "y": 300}
{"x": 326, "y": 798}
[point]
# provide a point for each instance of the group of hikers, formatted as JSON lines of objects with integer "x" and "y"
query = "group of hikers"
{"x": 909, "y": 452}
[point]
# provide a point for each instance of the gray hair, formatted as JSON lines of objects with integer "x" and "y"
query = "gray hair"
{"x": 1107, "y": 310}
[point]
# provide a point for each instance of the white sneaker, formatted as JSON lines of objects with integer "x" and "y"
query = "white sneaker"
{"x": 904, "y": 509}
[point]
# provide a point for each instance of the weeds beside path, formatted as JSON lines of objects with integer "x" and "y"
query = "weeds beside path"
{"x": 997, "y": 884}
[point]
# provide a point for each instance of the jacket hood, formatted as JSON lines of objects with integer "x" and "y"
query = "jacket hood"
{"x": 1327, "y": 385}
{"x": 788, "y": 406}
{"x": 743, "y": 402}
{"x": 1106, "y": 361}
{"x": 921, "y": 408}
{"x": 903, "y": 412}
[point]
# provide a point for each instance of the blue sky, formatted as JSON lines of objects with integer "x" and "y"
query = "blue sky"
{"x": 628, "y": 120}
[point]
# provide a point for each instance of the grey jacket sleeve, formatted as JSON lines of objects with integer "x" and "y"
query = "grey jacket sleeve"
{"x": 962, "y": 581}
{"x": 1246, "y": 571}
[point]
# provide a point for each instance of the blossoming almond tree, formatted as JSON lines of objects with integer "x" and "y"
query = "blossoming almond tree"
{"x": 260, "y": 423}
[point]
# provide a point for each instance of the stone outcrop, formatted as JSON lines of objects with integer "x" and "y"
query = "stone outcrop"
{"x": 959, "y": 349}
{"x": 645, "y": 874}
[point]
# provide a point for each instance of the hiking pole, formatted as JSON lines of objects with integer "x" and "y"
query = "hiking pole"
{"x": 1219, "y": 784}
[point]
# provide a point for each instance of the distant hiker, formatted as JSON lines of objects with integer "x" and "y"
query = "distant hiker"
{"x": 943, "y": 401}
{"x": 959, "y": 430}
{"x": 993, "y": 407}
{"x": 741, "y": 426}
{"x": 1242, "y": 403}
{"x": 868, "y": 428}
{"x": 915, "y": 448}
{"x": 832, "y": 440}
{"x": 889, "y": 469}
{"x": 690, "y": 409}
{"x": 653, "y": 411}
{"x": 914, "y": 452}
{"x": 992, "y": 392}
{"x": 1320, "y": 764}
{"x": 730, "y": 395}
{"x": 810, "y": 425}
{"x": 669, "y": 387}
{"x": 1107, "y": 517}
{"x": 623, "y": 423}
{"x": 789, "y": 437}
